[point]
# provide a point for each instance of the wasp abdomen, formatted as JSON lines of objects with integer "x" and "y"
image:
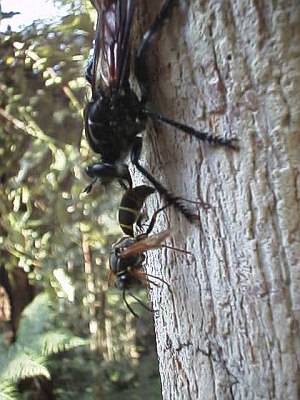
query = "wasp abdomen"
{"x": 130, "y": 207}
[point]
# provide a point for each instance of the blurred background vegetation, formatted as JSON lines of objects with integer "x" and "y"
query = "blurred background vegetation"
{"x": 64, "y": 334}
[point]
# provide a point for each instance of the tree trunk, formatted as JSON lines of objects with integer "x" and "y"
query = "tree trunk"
{"x": 227, "y": 323}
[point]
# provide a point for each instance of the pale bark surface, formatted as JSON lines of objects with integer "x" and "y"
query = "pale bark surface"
{"x": 229, "y": 325}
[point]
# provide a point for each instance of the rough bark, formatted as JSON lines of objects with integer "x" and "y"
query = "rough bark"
{"x": 228, "y": 325}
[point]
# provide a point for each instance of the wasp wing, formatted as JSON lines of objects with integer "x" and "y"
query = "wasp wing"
{"x": 139, "y": 275}
{"x": 149, "y": 243}
{"x": 110, "y": 69}
{"x": 111, "y": 278}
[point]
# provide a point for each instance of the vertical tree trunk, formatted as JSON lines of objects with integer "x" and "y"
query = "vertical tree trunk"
{"x": 228, "y": 325}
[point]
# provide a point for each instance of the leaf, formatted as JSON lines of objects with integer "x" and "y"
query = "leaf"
{"x": 24, "y": 366}
{"x": 35, "y": 319}
{"x": 56, "y": 342}
{"x": 8, "y": 390}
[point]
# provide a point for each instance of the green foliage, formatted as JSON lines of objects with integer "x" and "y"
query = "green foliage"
{"x": 42, "y": 93}
{"x": 38, "y": 333}
{"x": 20, "y": 365}
{"x": 8, "y": 390}
{"x": 38, "y": 338}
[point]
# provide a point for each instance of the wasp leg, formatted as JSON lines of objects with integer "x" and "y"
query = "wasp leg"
{"x": 89, "y": 187}
{"x": 206, "y": 136}
{"x": 169, "y": 197}
{"x": 123, "y": 184}
{"x": 140, "y": 62}
{"x": 153, "y": 219}
{"x": 88, "y": 70}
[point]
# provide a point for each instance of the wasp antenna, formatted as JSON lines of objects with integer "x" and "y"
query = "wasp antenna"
{"x": 177, "y": 249}
{"x": 157, "y": 278}
{"x": 152, "y": 282}
{"x": 128, "y": 305}
{"x": 140, "y": 302}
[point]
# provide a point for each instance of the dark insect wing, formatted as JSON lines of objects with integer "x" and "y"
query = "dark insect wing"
{"x": 126, "y": 14}
{"x": 111, "y": 278}
{"x": 146, "y": 244}
{"x": 110, "y": 69}
{"x": 138, "y": 275}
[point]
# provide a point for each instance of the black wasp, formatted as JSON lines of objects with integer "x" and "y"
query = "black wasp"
{"x": 115, "y": 115}
{"x": 127, "y": 257}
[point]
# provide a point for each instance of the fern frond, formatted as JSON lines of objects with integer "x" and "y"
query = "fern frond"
{"x": 25, "y": 365}
{"x": 37, "y": 339}
{"x": 4, "y": 396}
{"x": 8, "y": 390}
{"x": 58, "y": 341}
{"x": 35, "y": 319}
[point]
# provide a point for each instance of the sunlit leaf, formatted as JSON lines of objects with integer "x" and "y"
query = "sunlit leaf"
{"x": 18, "y": 45}
{"x": 10, "y": 60}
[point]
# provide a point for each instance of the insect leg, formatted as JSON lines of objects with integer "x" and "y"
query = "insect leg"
{"x": 89, "y": 187}
{"x": 206, "y": 136}
{"x": 140, "y": 62}
{"x": 88, "y": 70}
{"x": 123, "y": 184}
{"x": 170, "y": 198}
{"x": 153, "y": 219}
